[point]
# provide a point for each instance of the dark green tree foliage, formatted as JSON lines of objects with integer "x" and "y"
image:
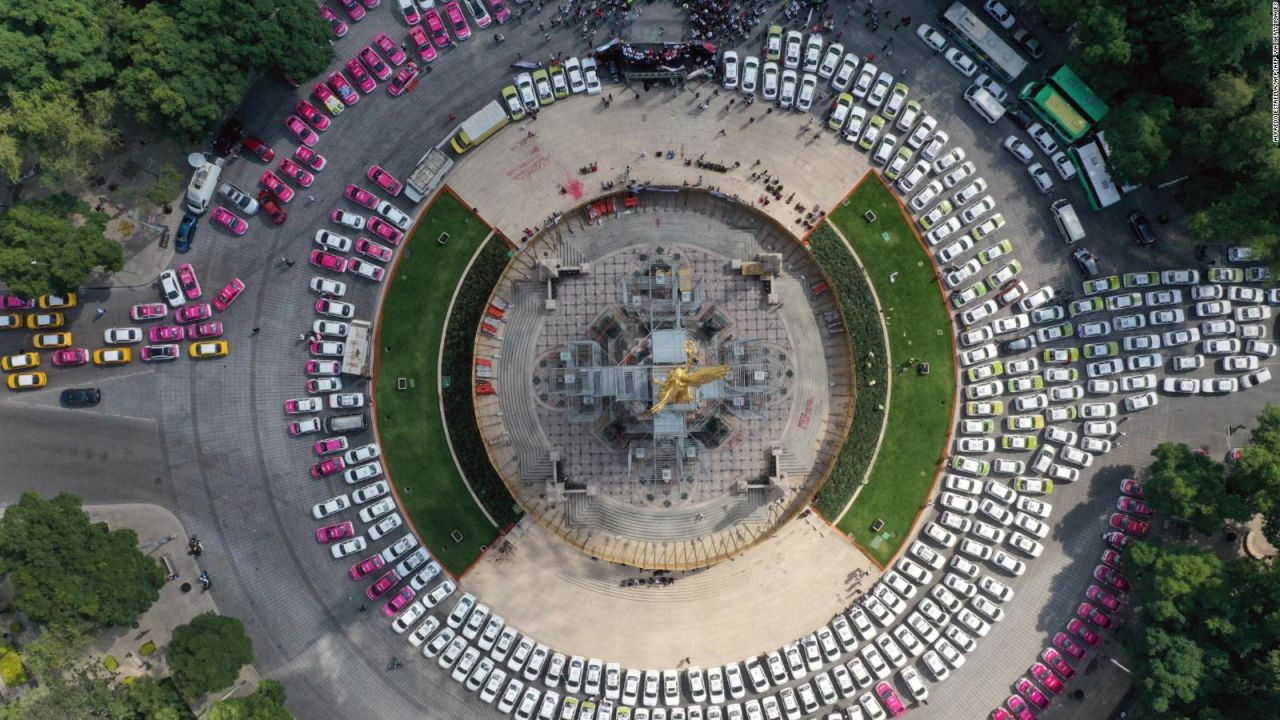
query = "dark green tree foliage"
{"x": 207, "y": 653}
{"x": 1205, "y": 636}
{"x": 87, "y": 693}
{"x": 51, "y": 245}
{"x": 1256, "y": 475}
{"x": 266, "y": 703}
{"x": 1188, "y": 82}
{"x": 64, "y": 568}
{"x": 1191, "y": 487}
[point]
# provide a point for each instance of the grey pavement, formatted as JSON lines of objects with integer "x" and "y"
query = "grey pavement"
{"x": 231, "y": 474}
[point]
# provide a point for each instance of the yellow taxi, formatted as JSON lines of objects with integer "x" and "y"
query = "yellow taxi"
{"x": 10, "y": 321}
{"x": 45, "y": 321}
{"x": 112, "y": 356}
{"x": 28, "y": 381}
{"x": 209, "y": 349}
{"x": 22, "y": 361}
{"x": 58, "y": 302}
{"x": 49, "y": 341}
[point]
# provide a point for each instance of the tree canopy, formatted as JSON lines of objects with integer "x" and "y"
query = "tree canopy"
{"x": 266, "y": 703}
{"x": 52, "y": 244}
{"x": 207, "y": 653}
{"x": 1188, "y": 82}
{"x": 65, "y": 568}
{"x": 1191, "y": 486}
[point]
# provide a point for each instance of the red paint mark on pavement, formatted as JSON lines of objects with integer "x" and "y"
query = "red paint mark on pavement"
{"x": 803, "y": 422}
{"x": 576, "y": 190}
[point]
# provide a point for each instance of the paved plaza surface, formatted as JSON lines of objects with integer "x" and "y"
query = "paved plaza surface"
{"x": 208, "y": 442}
{"x": 768, "y": 595}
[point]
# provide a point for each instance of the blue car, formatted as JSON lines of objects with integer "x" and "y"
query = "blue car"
{"x": 187, "y": 232}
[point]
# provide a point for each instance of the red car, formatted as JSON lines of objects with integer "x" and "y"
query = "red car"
{"x": 193, "y": 313}
{"x": 1133, "y": 526}
{"x": 1019, "y": 708}
{"x": 375, "y": 64}
{"x": 230, "y": 220}
{"x": 362, "y": 78}
{"x": 1033, "y": 693}
{"x": 228, "y": 294}
{"x": 1067, "y": 645}
{"x": 382, "y": 585}
{"x": 410, "y": 12}
{"x": 166, "y": 334}
{"x": 15, "y": 302}
{"x": 273, "y": 183}
{"x": 365, "y": 246}
{"x": 204, "y": 331}
{"x": 366, "y": 566}
{"x": 1058, "y": 663}
{"x": 361, "y": 197}
{"x": 342, "y": 86}
{"x": 1105, "y": 574}
{"x": 160, "y": 353}
{"x": 390, "y": 49}
{"x": 259, "y": 148}
{"x": 328, "y": 99}
{"x": 353, "y": 9}
{"x": 435, "y": 26}
{"x": 1133, "y": 505}
{"x": 1131, "y": 487}
{"x": 453, "y": 11}
{"x": 148, "y": 311}
{"x": 305, "y": 134}
{"x": 371, "y": 4}
{"x": 1001, "y": 714}
{"x": 1118, "y": 540}
{"x": 328, "y": 534}
{"x": 426, "y": 50}
{"x": 399, "y": 601}
{"x": 329, "y": 446}
{"x": 328, "y": 368}
{"x": 1081, "y": 631}
{"x": 1093, "y": 615}
{"x": 328, "y": 261}
{"x": 325, "y": 468}
{"x": 339, "y": 27}
{"x": 1112, "y": 558}
{"x": 384, "y": 180}
{"x": 890, "y": 698}
{"x": 1046, "y": 678}
{"x": 500, "y": 11}
{"x": 187, "y": 279}
{"x": 70, "y": 357}
{"x": 385, "y": 230}
{"x": 1103, "y": 598}
{"x": 403, "y": 80}
{"x": 310, "y": 158}
{"x": 268, "y": 202}
{"x": 295, "y": 172}
{"x": 312, "y": 115}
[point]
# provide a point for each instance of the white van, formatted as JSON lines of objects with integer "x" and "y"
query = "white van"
{"x": 203, "y": 184}
{"x": 984, "y": 103}
{"x": 1064, "y": 216}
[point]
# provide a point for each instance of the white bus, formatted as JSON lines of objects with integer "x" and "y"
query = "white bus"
{"x": 1091, "y": 165}
{"x": 974, "y": 36}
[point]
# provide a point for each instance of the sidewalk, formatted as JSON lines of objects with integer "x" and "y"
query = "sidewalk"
{"x": 160, "y": 535}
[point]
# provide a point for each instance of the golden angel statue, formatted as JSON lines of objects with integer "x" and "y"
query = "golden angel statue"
{"x": 677, "y": 389}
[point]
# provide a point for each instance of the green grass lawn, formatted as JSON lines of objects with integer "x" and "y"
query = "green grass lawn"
{"x": 409, "y": 422}
{"x": 919, "y": 326}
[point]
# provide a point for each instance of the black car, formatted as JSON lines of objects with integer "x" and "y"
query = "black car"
{"x": 1019, "y": 115}
{"x": 1028, "y": 42}
{"x": 81, "y": 397}
{"x": 186, "y": 232}
{"x": 1143, "y": 233}
{"x": 229, "y": 137}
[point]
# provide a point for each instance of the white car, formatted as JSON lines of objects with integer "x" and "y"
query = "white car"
{"x": 171, "y": 288}
{"x": 999, "y": 13}
{"x": 769, "y": 84}
{"x": 1063, "y": 165}
{"x": 843, "y": 76}
{"x": 961, "y": 62}
{"x": 333, "y": 241}
{"x": 750, "y": 75}
{"x": 1043, "y": 138}
{"x": 787, "y": 96}
{"x": 1018, "y": 149}
{"x": 1043, "y": 181}
{"x": 349, "y": 219}
{"x": 812, "y": 53}
{"x": 730, "y": 75}
{"x": 122, "y": 336}
{"x": 830, "y": 60}
{"x": 333, "y": 505}
{"x": 866, "y": 77}
{"x": 591, "y": 76}
{"x": 791, "y": 49}
{"x": 808, "y": 88}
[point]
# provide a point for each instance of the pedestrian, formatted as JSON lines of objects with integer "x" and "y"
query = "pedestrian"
{"x": 255, "y": 330}
{"x": 288, "y": 263}
{"x": 311, "y": 199}
{"x": 102, "y": 311}
{"x": 452, "y": 117}
{"x": 721, "y": 133}
{"x": 769, "y": 111}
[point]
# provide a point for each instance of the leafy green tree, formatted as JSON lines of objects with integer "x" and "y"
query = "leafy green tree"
{"x": 1174, "y": 670}
{"x": 64, "y": 568}
{"x": 1136, "y": 133}
{"x": 52, "y": 244}
{"x": 74, "y": 695}
{"x": 167, "y": 187}
{"x": 59, "y": 647}
{"x": 1191, "y": 487}
{"x": 52, "y": 127}
{"x": 266, "y": 703}
{"x": 207, "y": 653}
{"x": 153, "y": 698}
